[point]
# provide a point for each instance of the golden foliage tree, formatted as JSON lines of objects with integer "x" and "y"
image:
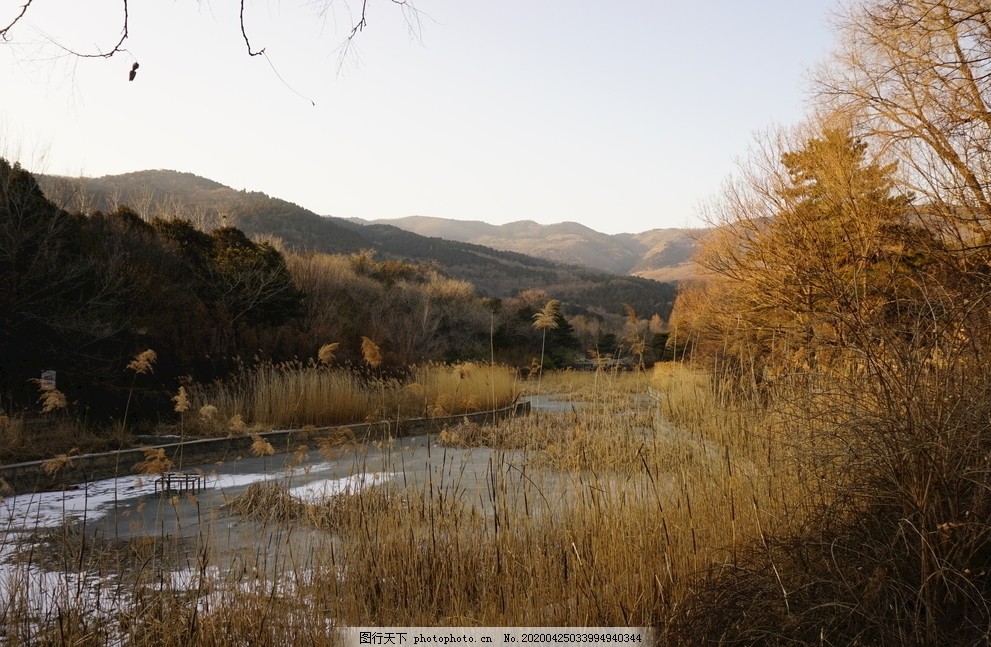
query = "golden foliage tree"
{"x": 854, "y": 293}
{"x": 808, "y": 261}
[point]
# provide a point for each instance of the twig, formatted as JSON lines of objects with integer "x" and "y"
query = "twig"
{"x": 245, "y": 35}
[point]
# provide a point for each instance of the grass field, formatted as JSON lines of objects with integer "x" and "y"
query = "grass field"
{"x": 644, "y": 499}
{"x": 602, "y": 514}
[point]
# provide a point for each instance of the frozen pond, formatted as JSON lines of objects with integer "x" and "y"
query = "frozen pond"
{"x": 129, "y": 506}
{"x": 209, "y": 543}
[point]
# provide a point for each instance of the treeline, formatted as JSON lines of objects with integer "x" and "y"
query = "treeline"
{"x": 82, "y": 294}
{"x": 847, "y": 293}
{"x": 494, "y": 273}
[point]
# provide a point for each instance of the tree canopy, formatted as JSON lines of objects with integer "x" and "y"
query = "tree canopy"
{"x": 846, "y": 296}
{"x": 810, "y": 259}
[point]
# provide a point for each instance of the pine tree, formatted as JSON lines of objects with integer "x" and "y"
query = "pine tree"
{"x": 825, "y": 262}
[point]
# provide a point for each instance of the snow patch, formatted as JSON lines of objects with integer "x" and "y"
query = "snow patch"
{"x": 319, "y": 491}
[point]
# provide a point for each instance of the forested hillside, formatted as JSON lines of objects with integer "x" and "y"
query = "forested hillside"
{"x": 207, "y": 204}
{"x": 84, "y": 292}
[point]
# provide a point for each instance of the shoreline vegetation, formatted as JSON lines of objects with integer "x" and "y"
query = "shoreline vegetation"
{"x": 280, "y": 396}
{"x": 187, "y": 457}
{"x": 666, "y": 498}
{"x": 607, "y": 512}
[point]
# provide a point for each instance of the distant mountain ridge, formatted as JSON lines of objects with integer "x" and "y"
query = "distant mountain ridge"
{"x": 495, "y": 273}
{"x": 658, "y": 254}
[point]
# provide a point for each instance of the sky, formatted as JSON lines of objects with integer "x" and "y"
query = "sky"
{"x": 624, "y": 117}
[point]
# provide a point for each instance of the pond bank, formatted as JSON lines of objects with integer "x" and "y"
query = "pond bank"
{"x": 31, "y": 476}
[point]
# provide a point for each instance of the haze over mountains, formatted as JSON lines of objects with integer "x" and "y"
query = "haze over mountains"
{"x": 658, "y": 254}
{"x": 574, "y": 263}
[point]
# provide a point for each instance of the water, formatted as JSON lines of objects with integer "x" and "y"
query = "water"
{"x": 211, "y": 544}
{"x": 129, "y": 507}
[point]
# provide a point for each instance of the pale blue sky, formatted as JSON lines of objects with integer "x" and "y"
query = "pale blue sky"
{"x": 620, "y": 116}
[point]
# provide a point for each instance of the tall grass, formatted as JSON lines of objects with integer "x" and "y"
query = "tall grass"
{"x": 294, "y": 394}
{"x": 891, "y": 537}
{"x": 24, "y": 438}
{"x": 614, "y": 512}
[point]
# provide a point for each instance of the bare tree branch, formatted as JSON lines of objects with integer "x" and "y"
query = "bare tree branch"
{"x": 116, "y": 49}
{"x": 410, "y": 13}
{"x": 245, "y": 34}
{"x": 5, "y": 34}
{"x": 360, "y": 25}
{"x": 17, "y": 18}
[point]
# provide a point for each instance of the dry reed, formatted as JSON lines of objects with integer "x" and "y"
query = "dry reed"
{"x": 602, "y": 515}
{"x": 294, "y": 395}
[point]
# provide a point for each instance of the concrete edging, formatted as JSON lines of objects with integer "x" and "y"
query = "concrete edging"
{"x": 30, "y": 476}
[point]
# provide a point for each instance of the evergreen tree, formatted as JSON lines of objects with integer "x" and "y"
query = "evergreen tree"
{"x": 826, "y": 262}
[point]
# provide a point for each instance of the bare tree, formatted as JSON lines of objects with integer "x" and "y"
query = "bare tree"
{"x": 358, "y": 20}
{"x": 916, "y": 76}
{"x": 807, "y": 256}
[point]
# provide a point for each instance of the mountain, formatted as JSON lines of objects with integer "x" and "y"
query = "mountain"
{"x": 665, "y": 254}
{"x": 495, "y": 273}
{"x": 206, "y": 203}
{"x": 659, "y": 254}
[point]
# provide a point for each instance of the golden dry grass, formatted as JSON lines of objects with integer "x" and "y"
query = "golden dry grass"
{"x": 605, "y": 514}
{"x": 21, "y": 440}
{"x": 294, "y": 395}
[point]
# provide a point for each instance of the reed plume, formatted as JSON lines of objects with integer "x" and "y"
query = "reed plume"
{"x": 261, "y": 447}
{"x": 51, "y": 399}
{"x": 327, "y": 352}
{"x": 181, "y": 401}
{"x": 143, "y": 362}
{"x": 371, "y": 352}
{"x": 155, "y": 462}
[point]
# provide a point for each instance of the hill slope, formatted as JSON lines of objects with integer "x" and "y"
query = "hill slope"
{"x": 659, "y": 254}
{"x": 494, "y": 273}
